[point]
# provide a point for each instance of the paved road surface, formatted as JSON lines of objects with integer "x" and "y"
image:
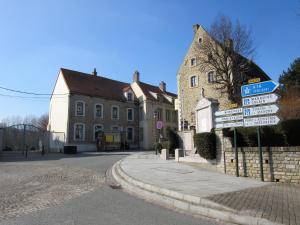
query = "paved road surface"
{"x": 75, "y": 191}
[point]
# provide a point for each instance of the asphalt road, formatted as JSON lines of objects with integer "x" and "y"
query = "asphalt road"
{"x": 97, "y": 203}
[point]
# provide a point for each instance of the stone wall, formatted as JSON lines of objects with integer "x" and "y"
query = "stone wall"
{"x": 280, "y": 164}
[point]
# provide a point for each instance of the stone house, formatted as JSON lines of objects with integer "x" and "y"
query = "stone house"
{"x": 194, "y": 81}
{"x": 83, "y": 104}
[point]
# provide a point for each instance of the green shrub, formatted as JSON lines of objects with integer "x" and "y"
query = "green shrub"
{"x": 290, "y": 129}
{"x": 206, "y": 144}
{"x": 271, "y": 136}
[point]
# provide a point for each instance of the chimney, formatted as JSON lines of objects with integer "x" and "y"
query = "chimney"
{"x": 136, "y": 76}
{"x": 94, "y": 72}
{"x": 196, "y": 27}
{"x": 162, "y": 86}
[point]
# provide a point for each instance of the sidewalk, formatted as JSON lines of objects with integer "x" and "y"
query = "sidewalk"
{"x": 198, "y": 191}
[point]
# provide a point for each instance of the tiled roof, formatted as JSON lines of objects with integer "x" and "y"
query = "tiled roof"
{"x": 96, "y": 86}
{"x": 147, "y": 88}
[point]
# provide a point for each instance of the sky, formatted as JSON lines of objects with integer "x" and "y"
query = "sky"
{"x": 37, "y": 38}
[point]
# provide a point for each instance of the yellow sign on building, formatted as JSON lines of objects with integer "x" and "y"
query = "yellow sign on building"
{"x": 109, "y": 138}
{"x": 254, "y": 80}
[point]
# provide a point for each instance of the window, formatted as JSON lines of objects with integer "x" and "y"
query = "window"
{"x": 79, "y": 130}
{"x": 129, "y": 96}
{"x": 168, "y": 115}
{"x": 130, "y": 114}
{"x": 115, "y": 112}
{"x": 80, "y": 108}
{"x": 97, "y": 129}
{"x": 158, "y": 113}
{"x": 193, "y": 81}
{"x": 193, "y": 61}
{"x": 200, "y": 40}
{"x": 99, "y": 111}
{"x": 174, "y": 116}
{"x": 129, "y": 134}
{"x": 141, "y": 113}
{"x": 211, "y": 77}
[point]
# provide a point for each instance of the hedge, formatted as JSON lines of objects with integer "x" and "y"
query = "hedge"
{"x": 284, "y": 134}
{"x": 206, "y": 144}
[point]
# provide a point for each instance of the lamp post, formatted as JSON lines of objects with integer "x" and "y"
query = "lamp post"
{"x": 155, "y": 131}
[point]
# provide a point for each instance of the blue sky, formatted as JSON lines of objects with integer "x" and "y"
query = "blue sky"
{"x": 118, "y": 37}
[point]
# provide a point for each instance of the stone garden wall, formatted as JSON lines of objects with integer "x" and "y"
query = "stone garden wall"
{"x": 280, "y": 164}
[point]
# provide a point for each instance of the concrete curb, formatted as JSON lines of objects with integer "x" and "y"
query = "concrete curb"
{"x": 187, "y": 203}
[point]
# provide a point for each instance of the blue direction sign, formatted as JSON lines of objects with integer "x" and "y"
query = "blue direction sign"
{"x": 259, "y": 88}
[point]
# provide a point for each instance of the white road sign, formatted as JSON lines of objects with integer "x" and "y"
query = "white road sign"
{"x": 261, "y": 110}
{"x": 229, "y": 118}
{"x": 261, "y": 121}
{"x": 232, "y": 124}
{"x": 229, "y": 112}
{"x": 260, "y": 100}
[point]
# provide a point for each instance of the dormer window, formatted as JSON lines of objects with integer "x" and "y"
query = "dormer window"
{"x": 129, "y": 96}
{"x": 193, "y": 61}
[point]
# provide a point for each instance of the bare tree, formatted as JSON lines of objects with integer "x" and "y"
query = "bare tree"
{"x": 43, "y": 122}
{"x": 225, "y": 51}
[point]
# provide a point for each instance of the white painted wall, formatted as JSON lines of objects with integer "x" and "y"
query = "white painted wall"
{"x": 59, "y": 107}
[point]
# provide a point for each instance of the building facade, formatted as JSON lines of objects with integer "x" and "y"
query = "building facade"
{"x": 195, "y": 82}
{"x": 82, "y": 105}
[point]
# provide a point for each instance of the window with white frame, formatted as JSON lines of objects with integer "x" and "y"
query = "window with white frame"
{"x": 193, "y": 61}
{"x": 129, "y": 134}
{"x": 129, "y": 96}
{"x": 79, "y": 132}
{"x": 193, "y": 81}
{"x": 211, "y": 77}
{"x": 174, "y": 116}
{"x": 79, "y": 108}
{"x": 115, "y": 112}
{"x": 158, "y": 114}
{"x": 97, "y": 129}
{"x": 98, "y": 110}
{"x": 130, "y": 114}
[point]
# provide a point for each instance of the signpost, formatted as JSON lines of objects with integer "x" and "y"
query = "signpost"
{"x": 259, "y": 88}
{"x": 260, "y": 100}
{"x": 258, "y": 110}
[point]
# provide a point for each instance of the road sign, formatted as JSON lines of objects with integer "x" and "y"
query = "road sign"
{"x": 260, "y": 110}
{"x": 260, "y": 100}
{"x": 261, "y": 121}
{"x": 259, "y": 88}
{"x": 232, "y": 124}
{"x": 159, "y": 125}
{"x": 229, "y": 112}
{"x": 229, "y": 118}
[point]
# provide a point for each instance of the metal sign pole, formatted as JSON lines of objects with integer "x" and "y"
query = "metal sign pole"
{"x": 236, "y": 154}
{"x": 260, "y": 155}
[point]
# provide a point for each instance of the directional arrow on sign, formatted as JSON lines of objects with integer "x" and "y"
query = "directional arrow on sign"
{"x": 261, "y": 110}
{"x": 229, "y": 118}
{"x": 261, "y": 121}
{"x": 259, "y": 88}
{"x": 260, "y": 100}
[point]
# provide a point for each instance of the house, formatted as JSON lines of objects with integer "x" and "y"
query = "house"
{"x": 84, "y": 104}
{"x": 195, "y": 83}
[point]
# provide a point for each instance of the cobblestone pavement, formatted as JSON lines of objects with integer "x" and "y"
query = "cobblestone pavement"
{"x": 31, "y": 186}
{"x": 276, "y": 202}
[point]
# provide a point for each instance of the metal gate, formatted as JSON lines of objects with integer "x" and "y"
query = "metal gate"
{"x": 24, "y": 139}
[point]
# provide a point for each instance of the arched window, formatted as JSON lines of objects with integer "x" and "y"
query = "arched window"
{"x": 193, "y": 81}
